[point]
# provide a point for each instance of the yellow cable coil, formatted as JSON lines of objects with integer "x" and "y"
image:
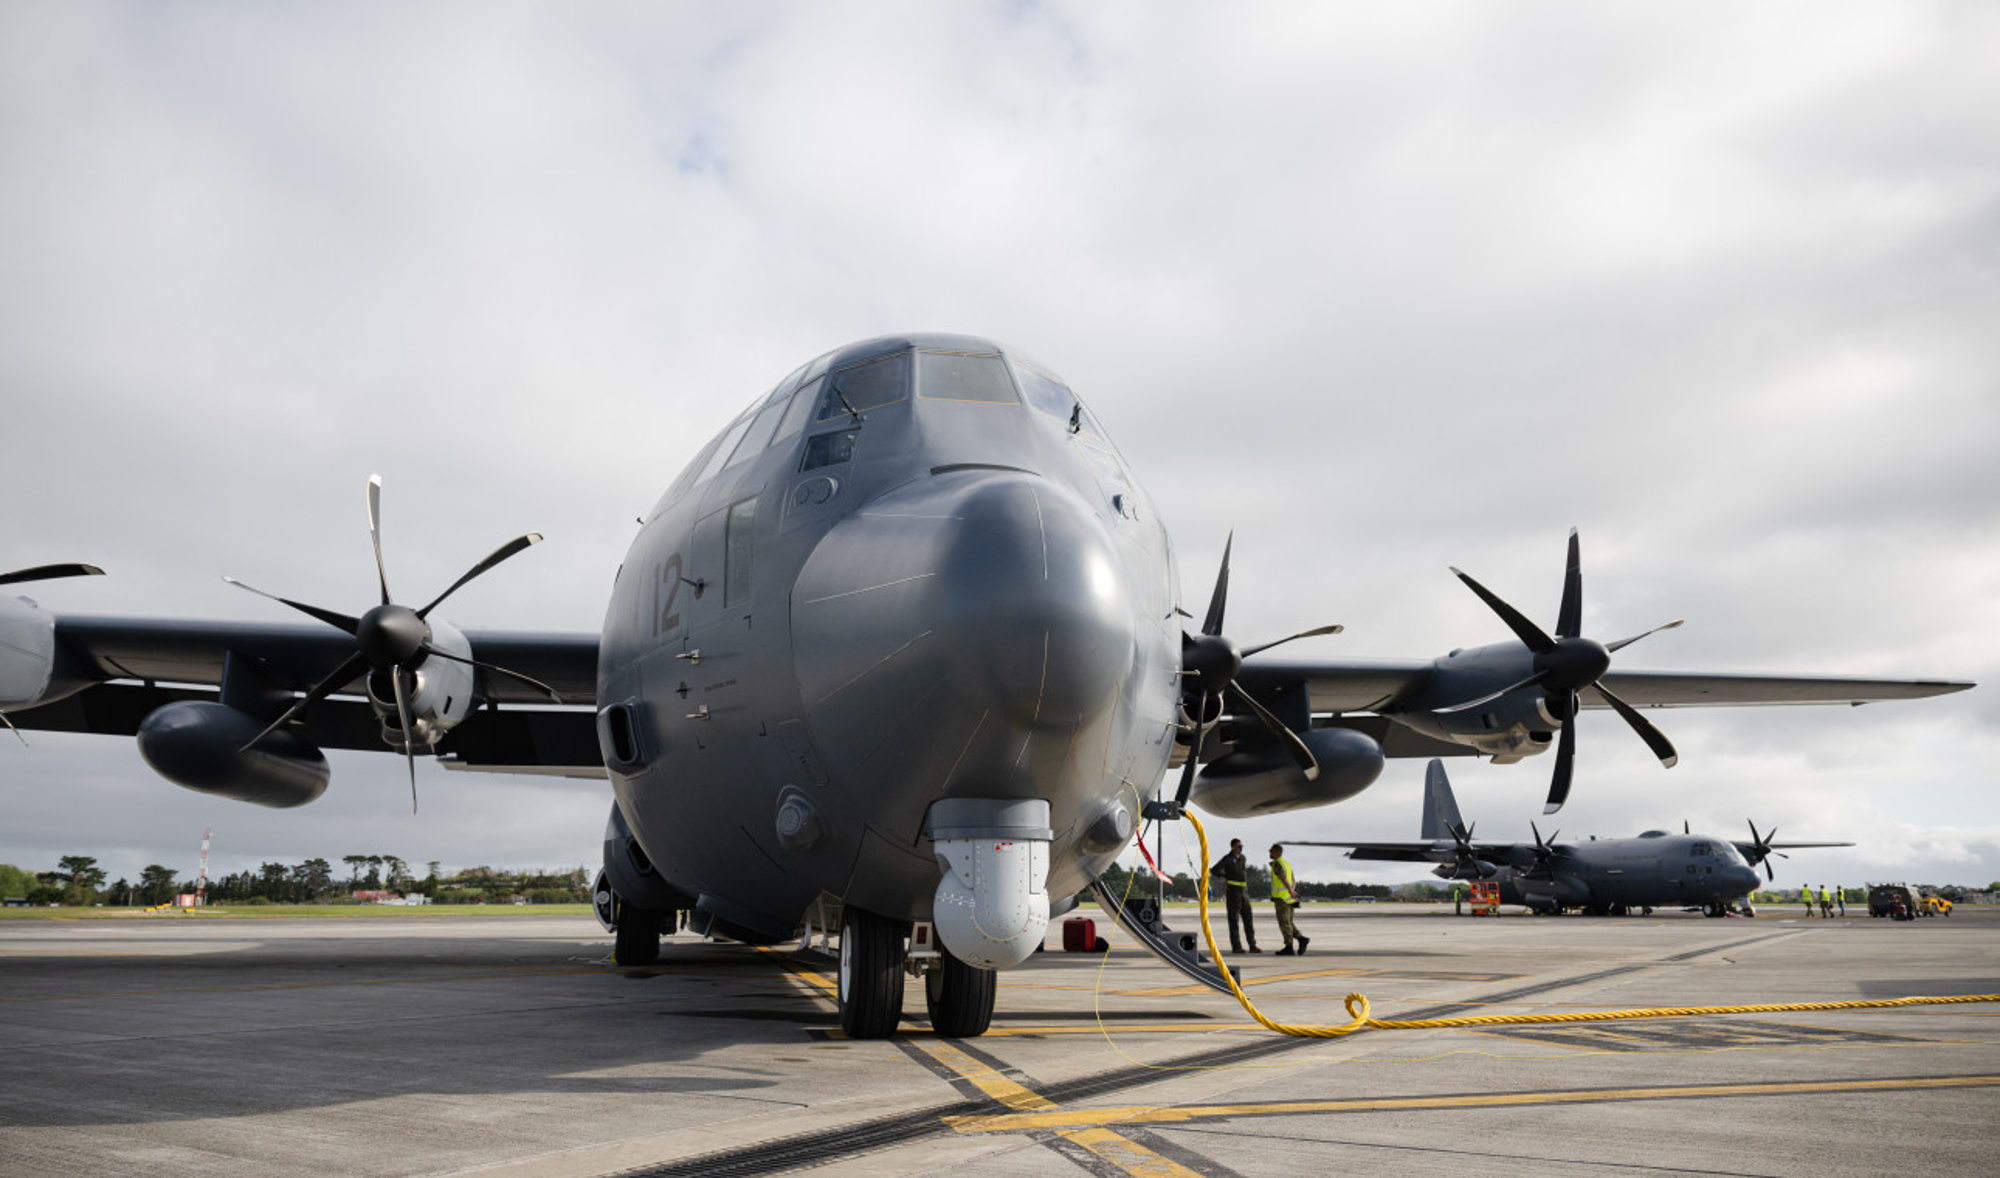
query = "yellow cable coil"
{"x": 1358, "y": 1008}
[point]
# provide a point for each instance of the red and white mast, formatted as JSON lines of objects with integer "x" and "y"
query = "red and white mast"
{"x": 201, "y": 879}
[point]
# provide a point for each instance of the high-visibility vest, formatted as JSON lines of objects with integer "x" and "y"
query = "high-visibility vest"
{"x": 1282, "y": 880}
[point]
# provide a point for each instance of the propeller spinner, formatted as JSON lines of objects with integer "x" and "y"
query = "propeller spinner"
{"x": 1564, "y": 665}
{"x": 393, "y": 640}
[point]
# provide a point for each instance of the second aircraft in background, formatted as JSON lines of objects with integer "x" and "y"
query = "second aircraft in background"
{"x": 1601, "y": 876}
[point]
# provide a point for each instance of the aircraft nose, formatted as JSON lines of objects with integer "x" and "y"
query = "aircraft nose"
{"x": 971, "y": 604}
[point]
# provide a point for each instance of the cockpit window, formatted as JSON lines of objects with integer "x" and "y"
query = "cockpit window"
{"x": 1046, "y": 394}
{"x": 795, "y": 416}
{"x": 1699, "y": 850}
{"x": 1054, "y": 398}
{"x": 724, "y": 449}
{"x": 864, "y": 386}
{"x": 758, "y": 434}
{"x": 964, "y": 376}
{"x": 829, "y": 449}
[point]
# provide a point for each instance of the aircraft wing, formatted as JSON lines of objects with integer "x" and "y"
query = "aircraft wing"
{"x": 127, "y": 667}
{"x": 1439, "y": 852}
{"x": 1372, "y": 685}
{"x": 1676, "y": 689}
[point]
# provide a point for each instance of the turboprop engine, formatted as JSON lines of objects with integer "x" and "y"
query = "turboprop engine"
{"x": 1250, "y": 782}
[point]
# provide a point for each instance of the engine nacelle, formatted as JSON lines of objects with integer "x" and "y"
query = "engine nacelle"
{"x": 443, "y": 694}
{"x": 30, "y": 662}
{"x": 1266, "y": 780}
{"x": 198, "y": 744}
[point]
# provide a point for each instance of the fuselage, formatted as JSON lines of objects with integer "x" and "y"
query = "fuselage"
{"x": 916, "y": 569}
{"x": 1654, "y": 870}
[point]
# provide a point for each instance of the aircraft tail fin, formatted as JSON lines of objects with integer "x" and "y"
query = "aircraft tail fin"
{"x": 1440, "y": 808}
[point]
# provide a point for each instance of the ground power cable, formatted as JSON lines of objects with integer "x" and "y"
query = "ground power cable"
{"x": 1358, "y": 1007}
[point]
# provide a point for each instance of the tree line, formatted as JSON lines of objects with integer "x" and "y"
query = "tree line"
{"x": 1181, "y": 886}
{"x": 77, "y": 881}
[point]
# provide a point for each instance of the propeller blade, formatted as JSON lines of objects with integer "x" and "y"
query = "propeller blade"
{"x": 50, "y": 572}
{"x": 409, "y": 738}
{"x": 1531, "y": 635}
{"x": 1219, "y": 600}
{"x": 353, "y": 666}
{"x": 1194, "y": 752}
{"x": 1654, "y": 738}
{"x": 1490, "y": 696}
{"x": 375, "y": 535}
{"x": 1293, "y": 744}
{"x": 1565, "y": 764}
{"x": 1333, "y": 629}
{"x": 338, "y": 621}
{"x": 14, "y": 730}
{"x": 1622, "y": 643}
{"x": 490, "y": 669}
{"x": 1569, "y": 618}
{"x": 517, "y": 544}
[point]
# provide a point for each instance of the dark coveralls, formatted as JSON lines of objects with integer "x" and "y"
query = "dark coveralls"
{"x": 1236, "y": 886}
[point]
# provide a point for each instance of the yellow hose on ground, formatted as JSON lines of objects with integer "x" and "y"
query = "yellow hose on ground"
{"x": 1358, "y": 1009}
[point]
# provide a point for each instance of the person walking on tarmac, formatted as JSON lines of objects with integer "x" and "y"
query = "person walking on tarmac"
{"x": 1234, "y": 872}
{"x": 1284, "y": 898}
{"x": 1825, "y": 902}
{"x": 1805, "y": 893}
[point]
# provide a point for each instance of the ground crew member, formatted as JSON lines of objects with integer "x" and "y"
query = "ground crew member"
{"x": 1805, "y": 893}
{"x": 1840, "y": 900}
{"x": 1284, "y": 898}
{"x": 1234, "y": 872}
{"x": 1825, "y": 902}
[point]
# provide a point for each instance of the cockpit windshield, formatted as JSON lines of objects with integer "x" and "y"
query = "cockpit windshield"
{"x": 964, "y": 376}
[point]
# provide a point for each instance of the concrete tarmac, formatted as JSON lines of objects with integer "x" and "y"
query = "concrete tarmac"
{"x": 511, "y": 1046}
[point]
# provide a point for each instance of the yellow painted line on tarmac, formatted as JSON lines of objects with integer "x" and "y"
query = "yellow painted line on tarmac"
{"x": 1246, "y": 983}
{"x": 1128, "y": 1155}
{"x": 1114, "y": 1148}
{"x": 805, "y": 973}
{"x": 984, "y": 1077}
{"x": 1155, "y": 1115}
{"x": 1121, "y": 1028}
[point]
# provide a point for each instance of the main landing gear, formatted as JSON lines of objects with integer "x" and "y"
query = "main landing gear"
{"x": 637, "y": 936}
{"x": 873, "y": 956}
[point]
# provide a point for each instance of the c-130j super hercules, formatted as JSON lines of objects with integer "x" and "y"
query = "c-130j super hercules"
{"x": 901, "y": 650}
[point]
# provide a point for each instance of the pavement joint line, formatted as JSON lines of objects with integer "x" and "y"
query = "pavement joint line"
{"x": 1158, "y": 1115}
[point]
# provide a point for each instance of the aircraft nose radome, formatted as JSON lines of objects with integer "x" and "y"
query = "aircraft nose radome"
{"x": 1030, "y": 596}
{"x": 954, "y": 611}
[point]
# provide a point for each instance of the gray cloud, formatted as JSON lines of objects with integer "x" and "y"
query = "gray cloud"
{"x": 1428, "y": 287}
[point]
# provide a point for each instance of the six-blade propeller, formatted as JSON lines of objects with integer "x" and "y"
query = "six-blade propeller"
{"x": 392, "y": 640}
{"x": 1564, "y": 665}
{"x": 1209, "y": 662}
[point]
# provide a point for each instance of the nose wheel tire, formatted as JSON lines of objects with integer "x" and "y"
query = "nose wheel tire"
{"x": 871, "y": 974}
{"x": 959, "y": 998}
{"x": 638, "y": 936}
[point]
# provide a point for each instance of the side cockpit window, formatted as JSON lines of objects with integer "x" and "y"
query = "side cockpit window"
{"x": 829, "y": 449}
{"x": 1054, "y": 398}
{"x": 870, "y": 384}
{"x": 965, "y": 376}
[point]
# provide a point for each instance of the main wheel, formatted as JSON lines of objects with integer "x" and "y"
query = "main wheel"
{"x": 959, "y": 997}
{"x": 638, "y": 936}
{"x": 871, "y": 974}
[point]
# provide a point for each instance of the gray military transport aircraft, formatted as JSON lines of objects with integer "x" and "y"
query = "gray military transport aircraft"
{"x": 898, "y": 657}
{"x": 1602, "y": 877}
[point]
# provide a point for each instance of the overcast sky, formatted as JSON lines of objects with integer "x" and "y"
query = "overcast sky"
{"x": 1385, "y": 288}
